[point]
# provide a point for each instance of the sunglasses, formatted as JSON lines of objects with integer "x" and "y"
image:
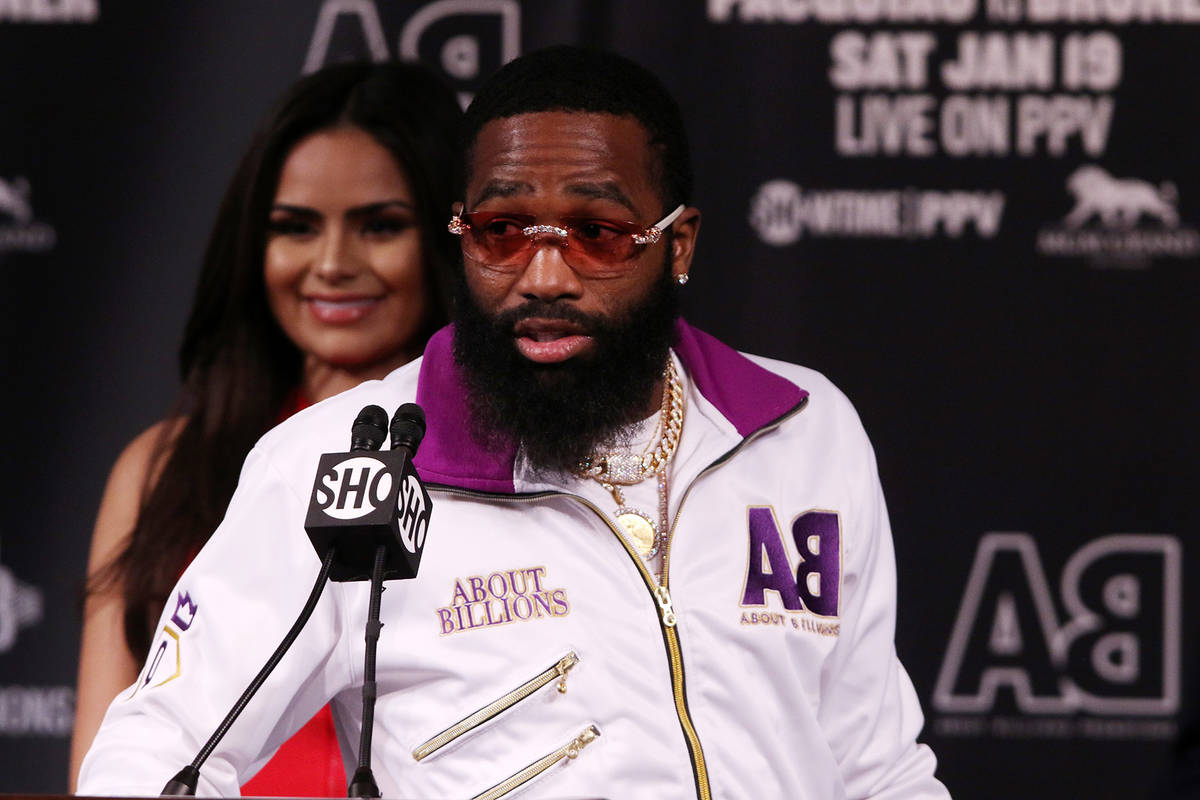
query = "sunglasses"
{"x": 590, "y": 245}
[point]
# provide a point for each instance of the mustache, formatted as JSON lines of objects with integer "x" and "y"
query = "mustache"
{"x": 549, "y": 309}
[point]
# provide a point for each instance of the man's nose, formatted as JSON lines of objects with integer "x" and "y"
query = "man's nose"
{"x": 548, "y": 276}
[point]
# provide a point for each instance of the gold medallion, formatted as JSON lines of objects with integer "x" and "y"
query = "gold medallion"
{"x": 642, "y": 532}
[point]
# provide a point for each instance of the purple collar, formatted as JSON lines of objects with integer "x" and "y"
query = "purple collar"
{"x": 746, "y": 394}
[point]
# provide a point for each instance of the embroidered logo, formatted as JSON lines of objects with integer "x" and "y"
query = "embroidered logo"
{"x": 185, "y": 611}
{"x": 166, "y": 659}
{"x": 514, "y": 595}
{"x": 814, "y": 585}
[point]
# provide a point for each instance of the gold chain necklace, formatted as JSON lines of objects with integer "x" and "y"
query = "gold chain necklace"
{"x": 613, "y": 470}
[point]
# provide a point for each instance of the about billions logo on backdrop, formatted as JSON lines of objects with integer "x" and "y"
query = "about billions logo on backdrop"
{"x": 49, "y": 12}
{"x": 1119, "y": 221}
{"x": 1107, "y": 667}
{"x": 28, "y": 710}
{"x": 782, "y": 213}
{"x": 19, "y": 231}
{"x": 20, "y": 607}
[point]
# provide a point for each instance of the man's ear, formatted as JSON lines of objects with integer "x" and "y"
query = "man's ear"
{"x": 684, "y": 230}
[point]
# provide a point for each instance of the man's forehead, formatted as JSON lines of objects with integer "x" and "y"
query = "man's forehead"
{"x": 581, "y": 189}
{"x": 597, "y": 153}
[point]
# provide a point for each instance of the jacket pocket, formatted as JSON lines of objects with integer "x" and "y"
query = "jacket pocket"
{"x": 558, "y": 671}
{"x": 568, "y": 752}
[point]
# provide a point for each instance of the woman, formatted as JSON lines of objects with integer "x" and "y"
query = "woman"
{"x": 327, "y": 266}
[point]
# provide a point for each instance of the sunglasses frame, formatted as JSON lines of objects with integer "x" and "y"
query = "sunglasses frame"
{"x": 641, "y": 237}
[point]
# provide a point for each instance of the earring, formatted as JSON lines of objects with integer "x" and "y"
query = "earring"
{"x": 682, "y": 279}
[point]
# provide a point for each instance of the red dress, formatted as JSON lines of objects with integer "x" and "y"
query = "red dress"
{"x": 310, "y": 763}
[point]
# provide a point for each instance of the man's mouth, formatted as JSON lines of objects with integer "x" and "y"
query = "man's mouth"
{"x": 548, "y": 341}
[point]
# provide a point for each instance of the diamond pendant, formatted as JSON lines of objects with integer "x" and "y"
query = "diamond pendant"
{"x": 643, "y": 533}
{"x": 623, "y": 468}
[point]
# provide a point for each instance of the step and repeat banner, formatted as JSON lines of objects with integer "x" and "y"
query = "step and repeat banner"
{"x": 981, "y": 218}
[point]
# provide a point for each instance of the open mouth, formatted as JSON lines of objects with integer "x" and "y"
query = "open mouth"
{"x": 547, "y": 341}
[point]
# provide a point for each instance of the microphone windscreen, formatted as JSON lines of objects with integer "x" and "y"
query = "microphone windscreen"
{"x": 408, "y": 427}
{"x": 369, "y": 429}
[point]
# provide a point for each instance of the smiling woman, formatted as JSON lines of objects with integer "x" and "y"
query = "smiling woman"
{"x": 327, "y": 266}
{"x": 344, "y": 270}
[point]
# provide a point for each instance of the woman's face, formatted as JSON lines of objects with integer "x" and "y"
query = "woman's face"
{"x": 344, "y": 270}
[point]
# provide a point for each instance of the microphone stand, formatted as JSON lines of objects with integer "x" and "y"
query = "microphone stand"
{"x": 407, "y": 430}
{"x": 363, "y": 783}
{"x": 184, "y": 782}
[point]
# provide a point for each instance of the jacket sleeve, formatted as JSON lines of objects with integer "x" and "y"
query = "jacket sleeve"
{"x": 230, "y": 609}
{"x": 869, "y": 708}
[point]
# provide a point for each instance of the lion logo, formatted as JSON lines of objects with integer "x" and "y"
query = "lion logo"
{"x": 1118, "y": 202}
{"x": 14, "y": 200}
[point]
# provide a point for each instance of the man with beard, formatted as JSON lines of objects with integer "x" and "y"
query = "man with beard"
{"x": 656, "y": 567}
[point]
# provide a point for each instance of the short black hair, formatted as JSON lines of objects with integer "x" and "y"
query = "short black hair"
{"x": 569, "y": 78}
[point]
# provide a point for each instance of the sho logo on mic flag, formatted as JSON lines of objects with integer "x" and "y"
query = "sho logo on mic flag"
{"x": 354, "y": 487}
{"x": 360, "y": 502}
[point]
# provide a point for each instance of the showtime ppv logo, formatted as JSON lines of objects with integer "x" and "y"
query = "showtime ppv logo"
{"x": 1116, "y": 651}
{"x": 782, "y": 213}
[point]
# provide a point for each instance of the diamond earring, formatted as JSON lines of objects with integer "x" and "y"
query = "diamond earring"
{"x": 682, "y": 279}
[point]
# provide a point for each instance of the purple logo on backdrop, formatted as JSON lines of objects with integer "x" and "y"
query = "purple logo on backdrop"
{"x": 185, "y": 611}
{"x": 815, "y": 584}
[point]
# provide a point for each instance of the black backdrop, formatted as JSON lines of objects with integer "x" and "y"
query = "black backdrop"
{"x": 981, "y": 219}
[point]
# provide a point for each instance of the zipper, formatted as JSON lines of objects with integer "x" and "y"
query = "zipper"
{"x": 770, "y": 426}
{"x": 472, "y": 721}
{"x": 568, "y": 752}
{"x": 661, "y": 593}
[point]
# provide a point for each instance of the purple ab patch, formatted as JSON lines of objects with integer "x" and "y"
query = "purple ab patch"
{"x": 816, "y": 582}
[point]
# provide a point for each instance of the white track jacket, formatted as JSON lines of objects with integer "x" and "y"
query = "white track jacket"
{"x": 534, "y": 654}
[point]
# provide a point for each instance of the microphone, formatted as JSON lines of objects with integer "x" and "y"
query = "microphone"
{"x": 407, "y": 428}
{"x": 370, "y": 497}
{"x": 368, "y": 430}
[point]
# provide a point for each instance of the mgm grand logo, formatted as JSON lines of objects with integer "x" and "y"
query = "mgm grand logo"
{"x": 1119, "y": 222}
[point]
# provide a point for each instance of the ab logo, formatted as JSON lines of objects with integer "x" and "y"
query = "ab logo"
{"x": 815, "y": 582}
{"x": 1115, "y": 650}
{"x": 354, "y": 488}
{"x": 467, "y": 39}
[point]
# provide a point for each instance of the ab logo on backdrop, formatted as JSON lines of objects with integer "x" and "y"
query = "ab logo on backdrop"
{"x": 455, "y": 34}
{"x": 1114, "y": 656}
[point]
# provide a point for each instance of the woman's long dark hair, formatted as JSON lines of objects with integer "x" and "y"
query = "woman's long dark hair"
{"x": 238, "y": 366}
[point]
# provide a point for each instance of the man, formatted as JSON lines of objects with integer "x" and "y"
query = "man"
{"x": 656, "y": 567}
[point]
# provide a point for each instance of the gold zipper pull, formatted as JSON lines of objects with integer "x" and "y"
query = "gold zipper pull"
{"x": 562, "y": 668}
{"x": 582, "y": 740}
{"x": 664, "y": 602}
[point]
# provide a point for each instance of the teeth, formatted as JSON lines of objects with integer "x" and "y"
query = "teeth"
{"x": 331, "y": 305}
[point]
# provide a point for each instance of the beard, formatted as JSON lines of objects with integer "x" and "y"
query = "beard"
{"x": 561, "y": 412}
